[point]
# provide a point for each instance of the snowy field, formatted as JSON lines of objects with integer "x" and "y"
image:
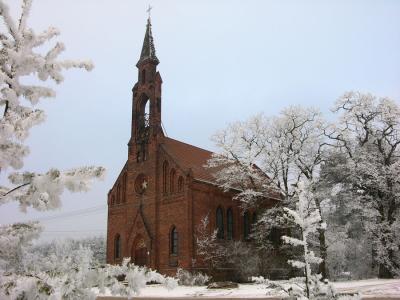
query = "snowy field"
{"x": 371, "y": 288}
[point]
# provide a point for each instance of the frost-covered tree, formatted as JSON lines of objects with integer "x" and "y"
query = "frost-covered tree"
{"x": 350, "y": 254}
{"x": 207, "y": 245}
{"x": 14, "y": 239}
{"x": 366, "y": 168}
{"x": 240, "y": 256}
{"x": 22, "y": 61}
{"x": 66, "y": 272}
{"x": 307, "y": 220}
{"x": 267, "y": 157}
{"x": 97, "y": 244}
{"x": 23, "y": 274}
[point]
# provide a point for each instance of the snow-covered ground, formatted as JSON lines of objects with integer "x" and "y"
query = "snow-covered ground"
{"x": 384, "y": 289}
{"x": 387, "y": 288}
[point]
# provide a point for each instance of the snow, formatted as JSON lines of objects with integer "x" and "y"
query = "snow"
{"x": 387, "y": 288}
{"x": 371, "y": 287}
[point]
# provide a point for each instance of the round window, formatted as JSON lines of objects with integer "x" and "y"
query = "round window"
{"x": 141, "y": 184}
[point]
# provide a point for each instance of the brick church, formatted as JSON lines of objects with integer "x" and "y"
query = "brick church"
{"x": 164, "y": 189}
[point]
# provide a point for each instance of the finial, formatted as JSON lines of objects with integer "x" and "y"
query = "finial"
{"x": 149, "y": 11}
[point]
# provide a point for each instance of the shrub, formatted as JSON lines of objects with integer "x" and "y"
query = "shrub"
{"x": 191, "y": 279}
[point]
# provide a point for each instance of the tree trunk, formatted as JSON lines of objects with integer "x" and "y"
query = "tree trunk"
{"x": 323, "y": 266}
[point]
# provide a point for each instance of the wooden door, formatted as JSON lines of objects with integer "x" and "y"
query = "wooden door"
{"x": 141, "y": 256}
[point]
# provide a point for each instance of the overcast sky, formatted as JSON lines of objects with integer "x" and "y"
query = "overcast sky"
{"x": 220, "y": 61}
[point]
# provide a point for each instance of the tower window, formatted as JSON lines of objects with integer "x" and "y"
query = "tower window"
{"x": 143, "y": 76}
{"x": 174, "y": 241}
{"x": 220, "y": 223}
{"x": 147, "y": 111}
{"x": 229, "y": 217}
{"x": 117, "y": 246}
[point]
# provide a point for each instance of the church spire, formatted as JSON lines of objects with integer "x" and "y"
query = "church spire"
{"x": 148, "y": 51}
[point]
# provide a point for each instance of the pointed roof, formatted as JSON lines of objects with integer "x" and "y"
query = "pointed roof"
{"x": 148, "y": 50}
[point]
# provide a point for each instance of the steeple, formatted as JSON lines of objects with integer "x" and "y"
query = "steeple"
{"x": 148, "y": 51}
{"x": 146, "y": 110}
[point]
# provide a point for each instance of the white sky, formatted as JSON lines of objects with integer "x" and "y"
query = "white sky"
{"x": 221, "y": 61}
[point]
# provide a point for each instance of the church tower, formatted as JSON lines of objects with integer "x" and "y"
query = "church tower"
{"x": 146, "y": 107}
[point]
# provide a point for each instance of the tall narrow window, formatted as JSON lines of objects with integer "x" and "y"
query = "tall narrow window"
{"x": 180, "y": 184}
{"x": 172, "y": 181}
{"x": 220, "y": 223}
{"x": 165, "y": 177}
{"x": 174, "y": 241}
{"x": 143, "y": 76}
{"x": 229, "y": 218}
{"x": 147, "y": 113}
{"x": 117, "y": 246}
{"x": 246, "y": 225}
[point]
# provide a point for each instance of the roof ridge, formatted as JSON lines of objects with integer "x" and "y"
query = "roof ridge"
{"x": 175, "y": 140}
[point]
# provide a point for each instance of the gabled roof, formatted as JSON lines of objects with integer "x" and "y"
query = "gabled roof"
{"x": 190, "y": 157}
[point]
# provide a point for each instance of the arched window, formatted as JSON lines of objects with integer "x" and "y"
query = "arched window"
{"x": 172, "y": 181}
{"x": 246, "y": 225}
{"x": 165, "y": 177}
{"x": 143, "y": 119}
{"x": 229, "y": 218}
{"x": 143, "y": 76}
{"x": 147, "y": 111}
{"x": 117, "y": 247}
{"x": 112, "y": 200}
{"x": 174, "y": 241}
{"x": 220, "y": 223}
{"x": 180, "y": 184}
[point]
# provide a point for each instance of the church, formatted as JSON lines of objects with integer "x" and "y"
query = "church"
{"x": 164, "y": 189}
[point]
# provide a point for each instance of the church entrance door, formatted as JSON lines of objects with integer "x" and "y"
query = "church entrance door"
{"x": 139, "y": 252}
{"x": 141, "y": 256}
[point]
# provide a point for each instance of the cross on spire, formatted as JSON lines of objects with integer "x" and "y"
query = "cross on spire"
{"x": 149, "y": 10}
{"x": 148, "y": 51}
